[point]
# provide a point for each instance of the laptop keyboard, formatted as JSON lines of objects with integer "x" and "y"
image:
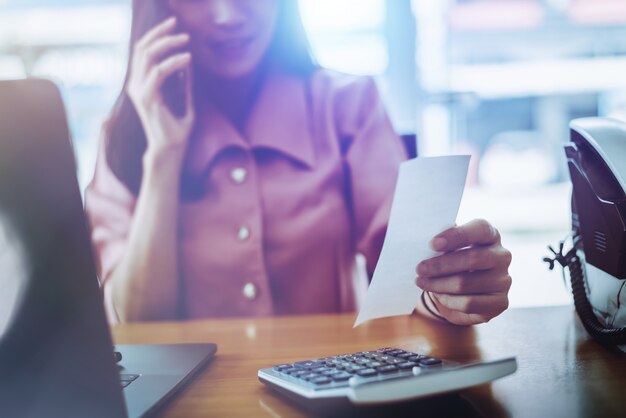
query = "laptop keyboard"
{"x": 127, "y": 379}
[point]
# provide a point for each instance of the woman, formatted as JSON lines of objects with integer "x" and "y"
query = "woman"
{"x": 249, "y": 187}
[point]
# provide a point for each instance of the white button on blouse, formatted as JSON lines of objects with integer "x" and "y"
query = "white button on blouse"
{"x": 250, "y": 291}
{"x": 243, "y": 233}
{"x": 238, "y": 175}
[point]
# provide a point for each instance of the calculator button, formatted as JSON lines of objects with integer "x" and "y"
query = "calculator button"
{"x": 320, "y": 380}
{"x": 367, "y": 372}
{"x": 330, "y": 372}
{"x": 309, "y": 376}
{"x": 387, "y": 369}
{"x": 309, "y": 365}
{"x": 282, "y": 367}
{"x": 339, "y": 377}
{"x": 415, "y": 357}
{"x": 375, "y": 364}
{"x": 429, "y": 361}
{"x": 407, "y": 365}
{"x": 395, "y": 352}
{"x": 406, "y": 355}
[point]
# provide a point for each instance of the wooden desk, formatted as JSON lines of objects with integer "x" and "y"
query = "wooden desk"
{"x": 561, "y": 372}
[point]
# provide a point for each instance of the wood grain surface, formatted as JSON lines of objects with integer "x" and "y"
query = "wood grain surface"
{"x": 561, "y": 371}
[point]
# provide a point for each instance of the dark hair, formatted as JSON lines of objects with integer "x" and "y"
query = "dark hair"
{"x": 124, "y": 135}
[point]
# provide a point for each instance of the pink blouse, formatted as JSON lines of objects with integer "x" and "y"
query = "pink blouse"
{"x": 287, "y": 206}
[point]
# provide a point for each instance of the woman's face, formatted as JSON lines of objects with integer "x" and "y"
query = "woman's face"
{"x": 228, "y": 37}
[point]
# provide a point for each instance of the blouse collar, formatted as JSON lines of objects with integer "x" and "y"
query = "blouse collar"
{"x": 280, "y": 120}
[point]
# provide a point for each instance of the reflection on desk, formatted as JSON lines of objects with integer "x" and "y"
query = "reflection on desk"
{"x": 561, "y": 372}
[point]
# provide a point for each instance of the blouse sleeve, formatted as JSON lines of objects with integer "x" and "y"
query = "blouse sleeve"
{"x": 109, "y": 206}
{"x": 372, "y": 156}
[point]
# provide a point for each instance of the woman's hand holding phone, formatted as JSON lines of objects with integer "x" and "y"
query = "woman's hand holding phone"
{"x": 144, "y": 284}
{"x": 156, "y": 57}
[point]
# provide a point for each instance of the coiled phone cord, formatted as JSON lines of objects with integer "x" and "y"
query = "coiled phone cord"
{"x": 605, "y": 336}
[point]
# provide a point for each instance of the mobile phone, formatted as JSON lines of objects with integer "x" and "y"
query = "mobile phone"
{"x": 173, "y": 91}
{"x": 174, "y": 87}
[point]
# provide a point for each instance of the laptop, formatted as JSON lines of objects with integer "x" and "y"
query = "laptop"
{"x": 56, "y": 354}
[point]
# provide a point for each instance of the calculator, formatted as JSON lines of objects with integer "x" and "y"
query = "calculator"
{"x": 376, "y": 377}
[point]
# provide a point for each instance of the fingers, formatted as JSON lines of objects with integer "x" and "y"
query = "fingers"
{"x": 149, "y": 50}
{"x": 460, "y": 318}
{"x": 156, "y": 57}
{"x": 487, "y": 305}
{"x": 166, "y": 68}
{"x": 157, "y": 31}
{"x": 161, "y": 46}
{"x": 465, "y": 260}
{"x": 469, "y": 283}
{"x": 466, "y": 284}
{"x": 476, "y": 232}
{"x": 147, "y": 70}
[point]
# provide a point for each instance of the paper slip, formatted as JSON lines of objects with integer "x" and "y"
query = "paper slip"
{"x": 426, "y": 202}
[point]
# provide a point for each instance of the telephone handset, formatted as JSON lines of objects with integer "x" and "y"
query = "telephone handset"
{"x": 596, "y": 158}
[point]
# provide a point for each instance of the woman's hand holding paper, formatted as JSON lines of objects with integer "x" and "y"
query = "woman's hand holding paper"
{"x": 469, "y": 282}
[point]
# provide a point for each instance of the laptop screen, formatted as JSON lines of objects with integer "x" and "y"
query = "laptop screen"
{"x": 56, "y": 352}
{"x": 13, "y": 271}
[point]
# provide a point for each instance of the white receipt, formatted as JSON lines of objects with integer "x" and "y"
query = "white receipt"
{"x": 426, "y": 202}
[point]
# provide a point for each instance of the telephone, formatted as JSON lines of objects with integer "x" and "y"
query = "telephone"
{"x": 596, "y": 158}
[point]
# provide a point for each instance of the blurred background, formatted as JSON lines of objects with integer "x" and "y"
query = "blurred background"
{"x": 498, "y": 79}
